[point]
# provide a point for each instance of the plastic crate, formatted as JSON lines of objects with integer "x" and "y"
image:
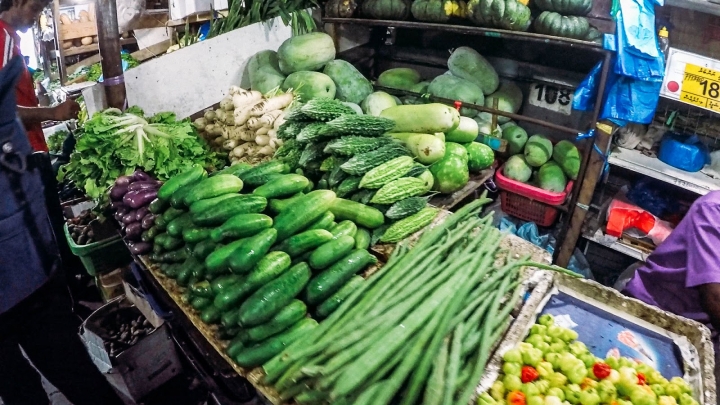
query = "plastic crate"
{"x": 528, "y": 202}
{"x": 102, "y": 256}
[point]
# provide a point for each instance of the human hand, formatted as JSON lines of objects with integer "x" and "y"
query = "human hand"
{"x": 67, "y": 110}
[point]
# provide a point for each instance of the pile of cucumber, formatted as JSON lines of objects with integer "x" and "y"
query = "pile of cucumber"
{"x": 257, "y": 249}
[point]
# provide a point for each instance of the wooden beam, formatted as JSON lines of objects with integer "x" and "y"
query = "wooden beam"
{"x": 152, "y": 51}
{"x": 85, "y": 62}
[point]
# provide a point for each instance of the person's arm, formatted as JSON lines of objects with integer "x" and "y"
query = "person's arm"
{"x": 709, "y": 301}
{"x": 61, "y": 112}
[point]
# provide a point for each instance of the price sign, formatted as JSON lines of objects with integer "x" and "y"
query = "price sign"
{"x": 701, "y": 87}
{"x": 551, "y": 98}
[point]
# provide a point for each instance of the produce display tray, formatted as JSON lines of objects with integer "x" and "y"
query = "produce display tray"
{"x": 615, "y": 324}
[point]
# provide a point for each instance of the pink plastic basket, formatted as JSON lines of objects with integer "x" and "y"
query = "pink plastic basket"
{"x": 528, "y": 202}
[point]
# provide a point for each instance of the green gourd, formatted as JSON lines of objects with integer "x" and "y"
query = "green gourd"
{"x": 507, "y": 14}
{"x": 430, "y": 11}
{"x": 566, "y": 7}
{"x": 551, "y": 23}
{"x": 386, "y": 9}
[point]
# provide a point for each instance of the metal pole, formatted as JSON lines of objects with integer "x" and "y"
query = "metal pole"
{"x": 109, "y": 44}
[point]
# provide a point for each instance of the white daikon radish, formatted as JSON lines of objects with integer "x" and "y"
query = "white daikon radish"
{"x": 268, "y": 119}
{"x": 274, "y": 103}
{"x": 220, "y": 115}
{"x": 219, "y": 140}
{"x": 227, "y": 103}
{"x": 262, "y": 131}
{"x": 247, "y": 136}
{"x": 236, "y": 90}
{"x": 239, "y": 151}
{"x": 272, "y": 134}
{"x": 254, "y": 123}
{"x": 243, "y": 114}
{"x": 230, "y": 144}
{"x": 279, "y": 121}
{"x": 242, "y": 100}
{"x": 210, "y": 116}
{"x": 262, "y": 140}
{"x": 200, "y": 124}
{"x": 266, "y": 151}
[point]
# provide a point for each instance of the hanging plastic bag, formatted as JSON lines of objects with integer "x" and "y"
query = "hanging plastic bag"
{"x": 637, "y": 27}
{"x": 586, "y": 92}
{"x": 633, "y": 40}
{"x": 631, "y": 100}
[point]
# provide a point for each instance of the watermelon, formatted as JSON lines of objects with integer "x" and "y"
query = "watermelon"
{"x": 538, "y": 150}
{"x": 516, "y": 137}
{"x": 517, "y": 168}
{"x": 567, "y": 156}
{"x": 551, "y": 177}
{"x": 480, "y": 156}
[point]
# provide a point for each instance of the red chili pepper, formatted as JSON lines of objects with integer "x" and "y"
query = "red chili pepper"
{"x": 529, "y": 374}
{"x": 516, "y": 398}
{"x": 601, "y": 370}
{"x": 458, "y": 105}
{"x": 641, "y": 379}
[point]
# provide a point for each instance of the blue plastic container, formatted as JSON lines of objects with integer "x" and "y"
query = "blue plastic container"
{"x": 684, "y": 153}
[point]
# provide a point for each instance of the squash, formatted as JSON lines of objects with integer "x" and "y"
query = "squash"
{"x": 305, "y": 52}
{"x": 351, "y": 85}
{"x": 551, "y": 23}
{"x": 468, "y": 64}
{"x": 507, "y": 14}
{"x": 456, "y": 88}
{"x": 309, "y": 85}
{"x": 566, "y": 7}
{"x": 386, "y": 9}
{"x": 264, "y": 71}
{"x": 437, "y": 11}
{"x": 340, "y": 8}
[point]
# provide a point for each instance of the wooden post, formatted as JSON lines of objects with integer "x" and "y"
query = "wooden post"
{"x": 595, "y": 167}
{"x": 109, "y": 44}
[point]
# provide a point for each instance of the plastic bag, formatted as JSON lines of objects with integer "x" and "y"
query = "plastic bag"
{"x": 630, "y": 100}
{"x": 586, "y": 93}
{"x": 630, "y": 136}
{"x": 637, "y": 27}
{"x": 128, "y": 13}
{"x": 631, "y": 61}
{"x": 646, "y": 195}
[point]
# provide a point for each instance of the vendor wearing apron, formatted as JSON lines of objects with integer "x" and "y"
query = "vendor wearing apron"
{"x": 682, "y": 275}
{"x": 20, "y": 15}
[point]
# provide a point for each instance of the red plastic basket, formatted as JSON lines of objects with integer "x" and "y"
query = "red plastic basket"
{"x": 528, "y": 202}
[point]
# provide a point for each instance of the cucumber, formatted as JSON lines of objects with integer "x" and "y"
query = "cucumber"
{"x": 278, "y": 205}
{"x": 191, "y": 175}
{"x": 158, "y": 206}
{"x": 198, "y": 272}
{"x": 230, "y": 318}
{"x": 332, "y": 279}
{"x": 260, "y": 179}
{"x": 171, "y": 213}
{"x": 227, "y": 333}
{"x": 288, "y": 316}
{"x": 168, "y": 242}
{"x": 269, "y": 167}
{"x": 303, "y": 212}
{"x": 333, "y": 302}
{"x": 216, "y": 215}
{"x": 176, "y": 226}
{"x": 235, "y": 347}
{"x": 200, "y": 303}
{"x": 150, "y": 234}
{"x": 360, "y": 214}
{"x": 268, "y": 268}
{"x": 344, "y": 228}
{"x": 217, "y": 262}
{"x": 245, "y": 257}
{"x": 175, "y": 256}
{"x": 266, "y": 302}
{"x": 186, "y": 271}
{"x": 210, "y": 315}
{"x": 194, "y": 235}
{"x": 235, "y": 170}
{"x": 222, "y": 283}
{"x": 329, "y": 253}
{"x": 241, "y": 226}
{"x": 171, "y": 270}
{"x": 178, "y": 198}
{"x": 213, "y": 187}
{"x": 261, "y": 353}
{"x": 160, "y": 223}
{"x": 208, "y": 203}
{"x": 362, "y": 239}
{"x": 303, "y": 242}
{"x": 204, "y": 248}
{"x": 283, "y": 186}
{"x": 326, "y": 221}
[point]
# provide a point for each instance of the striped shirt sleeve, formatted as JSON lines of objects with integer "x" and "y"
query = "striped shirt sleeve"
{"x": 7, "y": 46}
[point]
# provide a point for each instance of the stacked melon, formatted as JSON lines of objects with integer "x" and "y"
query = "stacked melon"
{"x": 565, "y": 18}
{"x": 539, "y": 163}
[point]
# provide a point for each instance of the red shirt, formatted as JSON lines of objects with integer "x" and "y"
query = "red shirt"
{"x": 25, "y": 92}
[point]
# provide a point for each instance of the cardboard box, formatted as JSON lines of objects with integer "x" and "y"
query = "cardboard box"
{"x": 139, "y": 369}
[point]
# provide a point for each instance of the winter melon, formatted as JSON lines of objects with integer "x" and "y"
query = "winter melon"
{"x": 516, "y": 137}
{"x": 456, "y": 88}
{"x": 509, "y": 97}
{"x": 264, "y": 71}
{"x": 399, "y": 78}
{"x": 350, "y": 84}
{"x": 310, "y": 85}
{"x": 306, "y": 52}
{"x": 468, "y": 64}
{"x": 538, "y": 150}
{"x": 485, "y": 128}
{"x": 376, "y": 102}
{"x": 568, "y": 157}
{"x": 551, "y": 177}
{"x": 517, "y": 168}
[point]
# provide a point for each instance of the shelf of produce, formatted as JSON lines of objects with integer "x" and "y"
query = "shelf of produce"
{"x": 191, "y": 319}
{"x": 94, "y": 47}
{"x": 616, "y": 245}
{"x": 470, "y": 30}
{"x": 476, "y": 181}
{"x": 635, "y": 161}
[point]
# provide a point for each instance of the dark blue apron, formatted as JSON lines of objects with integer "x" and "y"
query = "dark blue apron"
{"x": 28, "y": 251}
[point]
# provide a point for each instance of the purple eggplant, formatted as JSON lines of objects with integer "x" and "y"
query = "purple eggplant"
{"x": 122, "y": 209}
{"x": 118, "y": 216}
{"x": 144, "y": 185}
{"x": 129, "y": 218}
{"x": 140, "y": 198}
{"x": 148, "y": 221}
{"x": 123, "y": 180}
{"x": 115, "y": 205}
{"x": 141, "y": 212}
{"x": 133, "y": 231}
{"x": 140, "y": 248}
{"x": 140, "y": 175}
{"x": 118, "y": 191}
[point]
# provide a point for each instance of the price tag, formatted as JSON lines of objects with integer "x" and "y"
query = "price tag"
{"x": 551, "y": 98}
{"x": 701, "y": 87}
